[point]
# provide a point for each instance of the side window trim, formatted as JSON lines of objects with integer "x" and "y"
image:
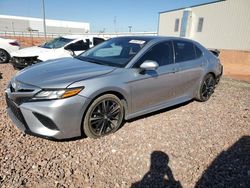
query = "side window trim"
{"x": 202, "y": 54}
{"x": 172, "y": 42}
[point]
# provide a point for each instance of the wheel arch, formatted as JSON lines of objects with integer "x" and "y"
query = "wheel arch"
{"x": 6, "y": 52}
{"x": 212, "y": 73}
{"x": 118, "y": 94}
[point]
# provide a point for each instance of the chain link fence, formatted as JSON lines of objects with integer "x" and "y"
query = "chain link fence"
{"x": 35, "y": 38}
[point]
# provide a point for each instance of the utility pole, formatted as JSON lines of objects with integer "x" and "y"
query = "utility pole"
{"x": 129, "y": 28}
{"x": 115, "y": 24}
{"x": 44, "y": 22}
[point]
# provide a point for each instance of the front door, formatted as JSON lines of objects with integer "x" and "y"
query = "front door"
{"x": 152, "y": 88}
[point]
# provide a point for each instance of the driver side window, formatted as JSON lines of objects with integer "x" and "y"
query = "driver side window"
{"x": 162, "y": 53}
{"x": 79, "y": 46}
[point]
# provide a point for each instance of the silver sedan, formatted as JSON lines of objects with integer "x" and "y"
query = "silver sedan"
{"x": 117, "y": 80}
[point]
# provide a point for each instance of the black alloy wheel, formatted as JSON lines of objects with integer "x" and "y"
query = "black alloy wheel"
{"x": 207, "y": 88}
{"x": 104, "y": 116}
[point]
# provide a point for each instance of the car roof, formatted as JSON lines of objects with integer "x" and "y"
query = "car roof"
{"x": 157, "y": 38}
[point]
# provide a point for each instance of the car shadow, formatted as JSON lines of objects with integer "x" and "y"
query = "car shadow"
{"x": 83, "y": 136}
{"x": 231, "y": 168}
{"x": 159, "y": 111}
{"x": 1, "y": 77}
{"x": 159, "y": 174}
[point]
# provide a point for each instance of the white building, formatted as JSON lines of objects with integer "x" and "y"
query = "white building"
{"x": 223, "y": 24}
{"x": 24, "y": 24}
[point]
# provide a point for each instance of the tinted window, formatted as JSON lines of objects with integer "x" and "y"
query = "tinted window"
{"x": 79, "y": 46}
{"x": 161, "y": 53}
{"x": 97, "y": 40}
{"x": 198, "y": 52}
{"x": 184, "y": 51}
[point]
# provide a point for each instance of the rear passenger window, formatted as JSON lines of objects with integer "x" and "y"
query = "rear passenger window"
{"x": 184, "y": 51}
{"x": 198, "y": 52}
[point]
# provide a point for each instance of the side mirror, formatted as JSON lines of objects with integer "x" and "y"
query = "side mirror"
{"x": 70, "y": 48}
{"x": 149, "y": 65}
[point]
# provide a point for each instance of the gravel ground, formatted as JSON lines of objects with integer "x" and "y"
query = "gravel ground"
{"x": 194, "y": 144}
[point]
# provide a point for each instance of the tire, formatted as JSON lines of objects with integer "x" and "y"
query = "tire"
{"x": 104, "y": 116}
{"x": 206, "y": 88}
{"x": 4, "y": 56}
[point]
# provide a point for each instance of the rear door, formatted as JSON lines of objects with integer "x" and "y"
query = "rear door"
{"x": 190, "y": 66}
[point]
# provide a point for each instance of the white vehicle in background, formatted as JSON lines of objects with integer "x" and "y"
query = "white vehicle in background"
{"x": 7, "y": 46}
{"x": 66, "y": 46}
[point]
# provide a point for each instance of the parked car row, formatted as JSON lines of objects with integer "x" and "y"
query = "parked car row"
{"x": 121, "y": 78}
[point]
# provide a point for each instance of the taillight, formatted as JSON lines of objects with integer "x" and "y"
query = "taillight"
{"x": 14, "y": 43}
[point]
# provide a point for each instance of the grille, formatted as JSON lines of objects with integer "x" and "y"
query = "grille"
{"x": 16, "y": 111}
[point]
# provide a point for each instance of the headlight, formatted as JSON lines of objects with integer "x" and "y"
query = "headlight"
{"x": 57, "y": 94}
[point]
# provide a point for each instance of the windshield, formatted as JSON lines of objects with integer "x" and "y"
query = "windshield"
{"x": 115, "y": 52}
{"x": 56, "y": 43}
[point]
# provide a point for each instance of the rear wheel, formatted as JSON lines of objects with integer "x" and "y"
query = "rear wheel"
{"x": 104, "y": 116}
{"x": 207, "y": 88}
{"x": 4, "y": 56}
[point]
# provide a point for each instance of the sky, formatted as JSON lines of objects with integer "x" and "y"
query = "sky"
{"x": 107, "y": 15}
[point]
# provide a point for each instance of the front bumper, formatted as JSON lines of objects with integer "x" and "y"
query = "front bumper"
{"x": 22, "y": 62}
{"x": 56, "y": 119}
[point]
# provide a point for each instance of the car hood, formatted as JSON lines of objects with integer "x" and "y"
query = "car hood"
{"x": 60, "y": 73}
{"x": 31, "y": 51}
{"x": 7, "y": 40}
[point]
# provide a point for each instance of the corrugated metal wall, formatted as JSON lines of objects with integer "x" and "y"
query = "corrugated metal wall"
{"x": 23, "y": 24}
{"x": 13, "y": 24}
{"x": 226, "y": 24}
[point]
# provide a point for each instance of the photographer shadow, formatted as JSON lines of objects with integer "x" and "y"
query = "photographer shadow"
{"x": 159, "y": 175}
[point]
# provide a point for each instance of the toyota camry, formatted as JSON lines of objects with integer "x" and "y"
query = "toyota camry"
{"x": 119, "y": 79}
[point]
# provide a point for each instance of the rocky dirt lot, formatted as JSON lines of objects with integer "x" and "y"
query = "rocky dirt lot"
{"x": 191, "y": 145}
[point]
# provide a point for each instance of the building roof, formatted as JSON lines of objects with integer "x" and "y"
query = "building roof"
{"x": 217, "y": 1}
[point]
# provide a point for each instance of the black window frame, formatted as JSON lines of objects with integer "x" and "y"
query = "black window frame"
{"x": 200, "y": 24}
{"x": 177, "y": 25}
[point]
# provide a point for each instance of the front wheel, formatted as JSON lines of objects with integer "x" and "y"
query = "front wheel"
{"x": 4, "y": 56}
{"x": 104, "y": 116}
{"x": 207, "y": 88}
